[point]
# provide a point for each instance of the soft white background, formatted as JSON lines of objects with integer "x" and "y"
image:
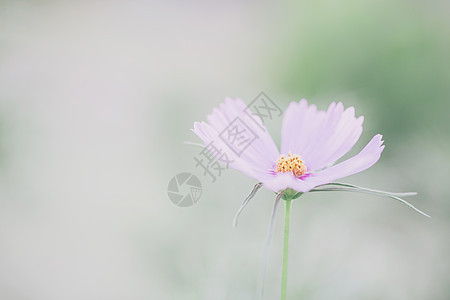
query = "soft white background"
{"x": 96, "y": 98}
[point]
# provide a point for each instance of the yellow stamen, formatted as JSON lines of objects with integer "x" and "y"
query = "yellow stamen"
{"x": 291, "y": 163}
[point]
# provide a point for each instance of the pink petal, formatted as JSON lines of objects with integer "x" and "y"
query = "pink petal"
{"x": 320, "y": 137}
{"x": 258, "y": 157}
{"x": 360, "y": 162}
{"x": 282, "y": 181}
{"x": 208, "y": 134}
{"x": 300, "y": 125}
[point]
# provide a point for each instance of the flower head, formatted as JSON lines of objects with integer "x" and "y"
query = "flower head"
{"x": 312, "y": 141}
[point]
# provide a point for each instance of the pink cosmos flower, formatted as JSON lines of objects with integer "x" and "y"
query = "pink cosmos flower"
{"x": 312, "y": 141}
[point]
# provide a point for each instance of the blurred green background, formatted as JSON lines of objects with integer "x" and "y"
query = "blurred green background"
{"x": 97, "y": 97}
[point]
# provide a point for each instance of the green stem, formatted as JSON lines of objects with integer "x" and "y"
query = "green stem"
{"x": 285, "y": 250}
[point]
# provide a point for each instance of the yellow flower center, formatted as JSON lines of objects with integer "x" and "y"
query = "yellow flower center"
{"x": 291, "y": 163}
